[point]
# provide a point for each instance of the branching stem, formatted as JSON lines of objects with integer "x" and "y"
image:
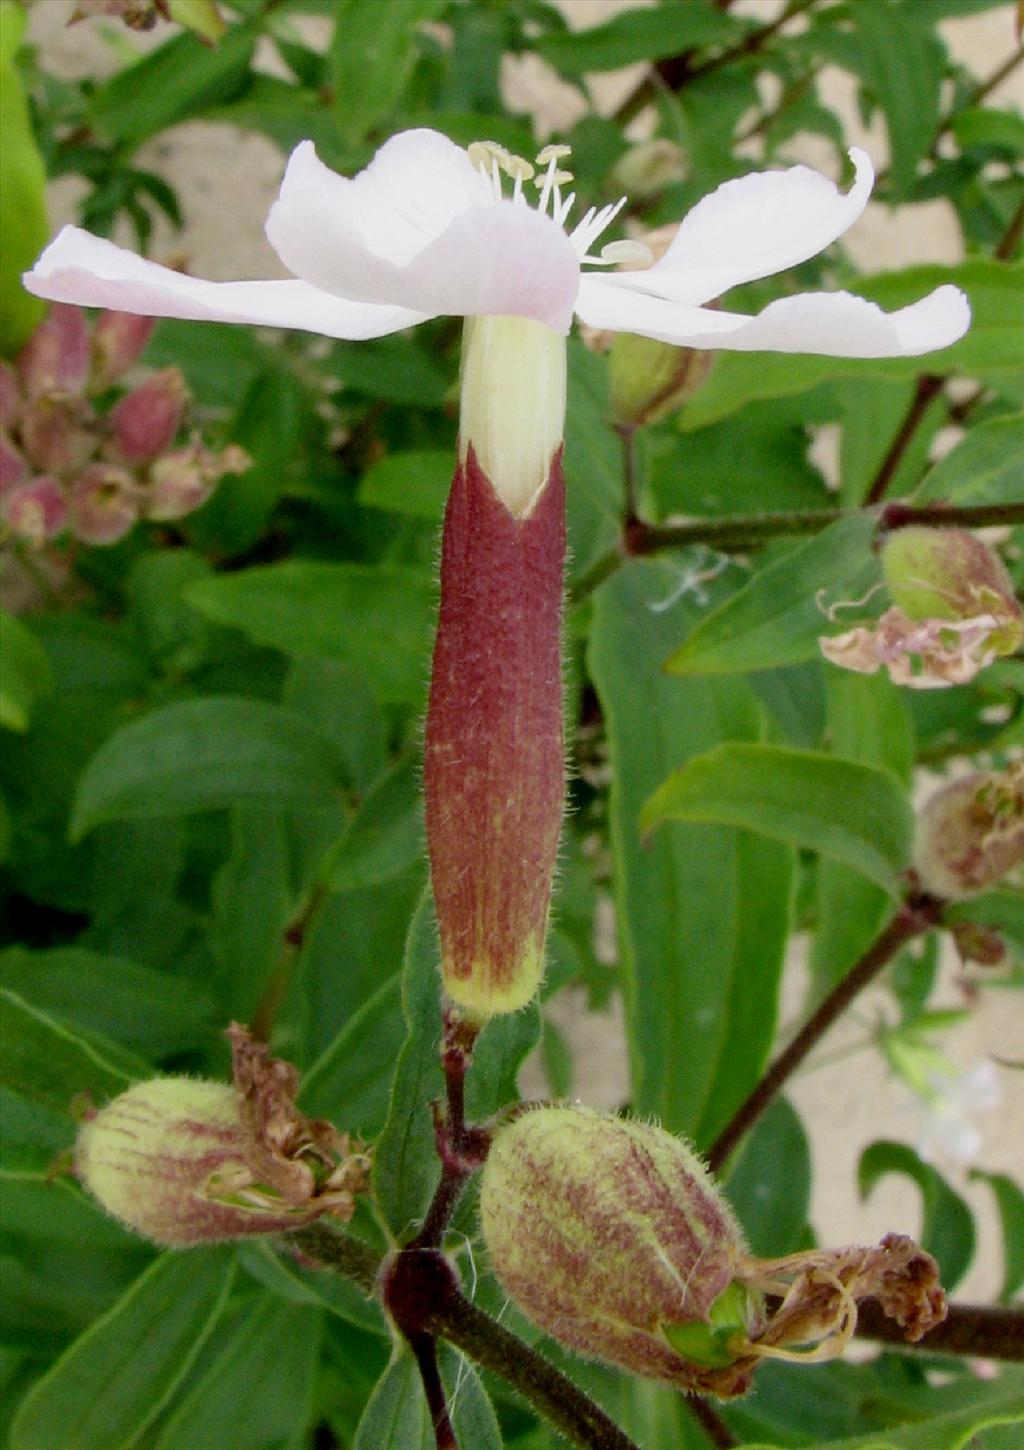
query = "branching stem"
{"x": 918, "y": 914}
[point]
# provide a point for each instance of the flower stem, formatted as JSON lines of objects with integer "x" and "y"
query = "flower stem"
{"x": 293, "y": 939}
{"x": 424, "y": 1348}
{"x": 739, "y": 533}
{"x": 928, "y": 386}
{"x": 983, "y": 1331}
{"x": 461, "y": 1149}
{"x": 711, "y": 1423}
{"x": 918, "y": 914}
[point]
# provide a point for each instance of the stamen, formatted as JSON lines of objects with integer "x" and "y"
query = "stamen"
{"x": 552, "y": 153}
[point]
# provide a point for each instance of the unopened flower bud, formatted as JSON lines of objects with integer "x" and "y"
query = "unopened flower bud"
{"x": 650, "y": 379}
{"x": 610, "y": 1235}
{"x": 182, "y": 481}
{"x": 183, "y": 1161}
{"x": 104, "y": 504}
{"x": 13, "y": 468}
{"x": 57, "y": 357}
{"x": 145, "y": 421}
{"x": 118, "y": 340}
{"x": 978, "y": 943}
{"x": 200, "y": 16}
{"x": 10, "y": 398}
{"x": 58, "y": 433}
{"x": 970, "y": 834}
{"x": 949, "y": 574}
{"x": 35, "y": 511}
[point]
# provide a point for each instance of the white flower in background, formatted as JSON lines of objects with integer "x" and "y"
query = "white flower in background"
{"x": 950, "y": 1105}
{"x": 425, "y": 230}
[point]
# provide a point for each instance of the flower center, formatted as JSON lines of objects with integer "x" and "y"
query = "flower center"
{"x": 549, "y": 177}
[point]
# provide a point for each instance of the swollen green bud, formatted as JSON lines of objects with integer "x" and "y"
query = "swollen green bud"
{"x": 651, "y": 379}
{"x": 611, "y": 1236}
{"x": 184, "y": 1161}
{"x": 970, "y": 834}
{"x": 948, "y": 574}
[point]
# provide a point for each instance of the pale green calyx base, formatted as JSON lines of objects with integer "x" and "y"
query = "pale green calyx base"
{"x": 513, "y": 403}
{"x": 488, "y": 992}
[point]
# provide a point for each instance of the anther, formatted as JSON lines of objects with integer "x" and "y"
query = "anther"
{"x": 627, "y": 251}
{"x": 552, "y": 153}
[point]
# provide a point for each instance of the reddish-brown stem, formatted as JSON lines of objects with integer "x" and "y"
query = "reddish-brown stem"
{"x": 983, "y": 1331}
{"x": 918, "y": 913}
{"x": 928, "y": 386}
{"x": 461, "y": 1149}
{"x": 424, "y": 1348}
{"x": 292, "y": 942}
{"x": 711, "y": 1423}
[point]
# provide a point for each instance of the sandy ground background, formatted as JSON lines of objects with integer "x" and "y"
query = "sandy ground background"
{"x": 226, "y": 180}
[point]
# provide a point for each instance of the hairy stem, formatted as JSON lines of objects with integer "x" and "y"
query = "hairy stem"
{"x": 740, "y": 533}
{"x": 984, "y": 1331}
{"x": 351, "y": 1257}
{"x": 917, "y": 915}
{"x": 711, "y": 1423}
{"x": 460, "y": 1148}
{"x": 424, "y": 1349}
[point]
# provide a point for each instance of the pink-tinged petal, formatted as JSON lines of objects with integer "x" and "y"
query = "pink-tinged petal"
{"x": 833, "y": 324}
{"x": 10, "y": 397}
{"x": 753, "y": 227}
{"x": 36, "y": 511}
{"x": 118, "y": 339}
{"x": 145, "y": 421}
{"x": 421, "y": 227}
{"x": 104, "y": 504}
{"x": 13, "y": 467}
{"x": 78, "y": 267}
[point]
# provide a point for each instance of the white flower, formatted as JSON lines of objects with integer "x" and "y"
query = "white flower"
{"x": 951, "y": 1103}
{"x": 425, "y": 231}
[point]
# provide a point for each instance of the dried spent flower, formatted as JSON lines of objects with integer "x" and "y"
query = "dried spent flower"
{"x": 183, "y": 1161}
{"x": 970, "y": 834}
{"x": 610, "y": 1234}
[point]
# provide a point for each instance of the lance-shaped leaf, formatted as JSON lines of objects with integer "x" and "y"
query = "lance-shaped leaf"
{"x": 49, "y": 1063}
{"x": 775, "y": 619}
{"x": 984, "y": 467}
{"x": 201, "y": 754}
{"x": 116, "y": 1378}
{"x": 851, "y": 812}
{"x": 1010, "y": 1202}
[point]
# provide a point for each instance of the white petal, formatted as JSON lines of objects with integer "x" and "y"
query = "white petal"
{"x": 835, "y": 324}
{"x": 80, "y": 268}
{"x": 421, "y": 228}
{"x": 752, "y": 227}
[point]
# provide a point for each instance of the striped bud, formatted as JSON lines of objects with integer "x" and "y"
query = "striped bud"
{"x": 611, "y": 1236}
{"x": 970, "y": 834}
{"x": 948, "y": 574}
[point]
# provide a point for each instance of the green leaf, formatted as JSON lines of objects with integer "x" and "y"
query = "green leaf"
{"x": 23, "y": 195}
{"x": 678, "y": 907}
{"x": 258, "y": 1391}
{"x": 405, "y": 1160}
{"x": 637, "y": 35}
{"x": 385, "y": 836}
{"x": 948, "y": 1226}
{"x": 198, "y": 755}
{"x": 25, "y": 672}
{"x": 285, "y": 1277}
{"x": 396, "y": 1416}
{"x": 1010, "y": 1202}
{"x": 378, "y": 617}
{"x": 370, "y": 60}
{"x": 49, "y": 1063}
{"x": 176, "y": 81}
{"x": 855, "y": 813}
{"x": 985, "y": 126}
{"x": 902, "y": 64}
{"x": 414, "y": 483}
{"x": 113, "y": 1381}
{"x": 473, "y": 1417}
{"x": 152, "y": 1012}
{"x": 593, "y": 462}
{"x": 352, "y": 1078}
{"x": 993, "y": 347}
{"x": 984, "y": 467}
{"x": 775, "y": 619}
{"x": 272, "y": 425}
{"x": 867, "y": 721}
{"x": 769, "y": 1183}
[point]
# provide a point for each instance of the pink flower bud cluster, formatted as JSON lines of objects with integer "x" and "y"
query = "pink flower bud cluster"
{"x": 66, "y": 467}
